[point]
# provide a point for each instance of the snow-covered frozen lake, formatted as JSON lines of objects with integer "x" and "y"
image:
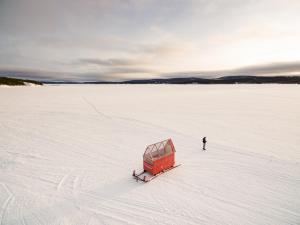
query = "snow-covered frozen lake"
{"x": 67, "y": 154}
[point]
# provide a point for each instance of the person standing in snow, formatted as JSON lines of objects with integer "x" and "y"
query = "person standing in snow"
{"x": 204, "y": 143}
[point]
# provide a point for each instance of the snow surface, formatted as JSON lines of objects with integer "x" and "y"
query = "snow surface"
{"x": 67, "y": 154}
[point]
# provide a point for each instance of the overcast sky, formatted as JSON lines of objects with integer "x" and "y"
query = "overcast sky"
{"x": 86, "y": 40}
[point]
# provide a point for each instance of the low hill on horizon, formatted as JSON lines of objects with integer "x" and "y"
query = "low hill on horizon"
{"x": 17, "y": 82}
{"x": 220, "y": 80}
{"x": 242, "y": 79}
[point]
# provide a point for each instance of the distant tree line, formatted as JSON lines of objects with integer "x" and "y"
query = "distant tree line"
{"x": 17, "y": 82}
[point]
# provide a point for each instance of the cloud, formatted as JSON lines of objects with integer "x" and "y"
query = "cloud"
{"x": 110, "y": 74}
{"x": 270, "y": 69}
{"x": 108, "y": 62}
{"x": 118, "y": 73}
{"x": 122, "y": 70}
{"x": 164, "y": 49}
{"x": 120, "y": 39}
{"x": 34, "y": 74}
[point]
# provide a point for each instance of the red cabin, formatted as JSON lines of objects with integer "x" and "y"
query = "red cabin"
{"x": 159, "y": 157}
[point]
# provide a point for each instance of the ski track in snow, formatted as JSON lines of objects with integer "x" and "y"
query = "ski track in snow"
{"x": 134, "y": 120}
{"x": 60, "y": 163}
{"x": 63, "y": 180}
{"x": 95, "y": 109}
{"x": 6, "y": 203}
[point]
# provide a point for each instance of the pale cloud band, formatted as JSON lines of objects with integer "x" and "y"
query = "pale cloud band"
{"x": 120, "y": 73}
{"x": 270, "y": 69}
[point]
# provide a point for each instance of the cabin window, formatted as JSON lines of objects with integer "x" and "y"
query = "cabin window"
{"x": 148, "y": 159}
{"x": 168, "y": 149}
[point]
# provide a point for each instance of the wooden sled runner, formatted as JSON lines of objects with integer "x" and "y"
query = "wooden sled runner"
{"x": 146, "y": 176}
